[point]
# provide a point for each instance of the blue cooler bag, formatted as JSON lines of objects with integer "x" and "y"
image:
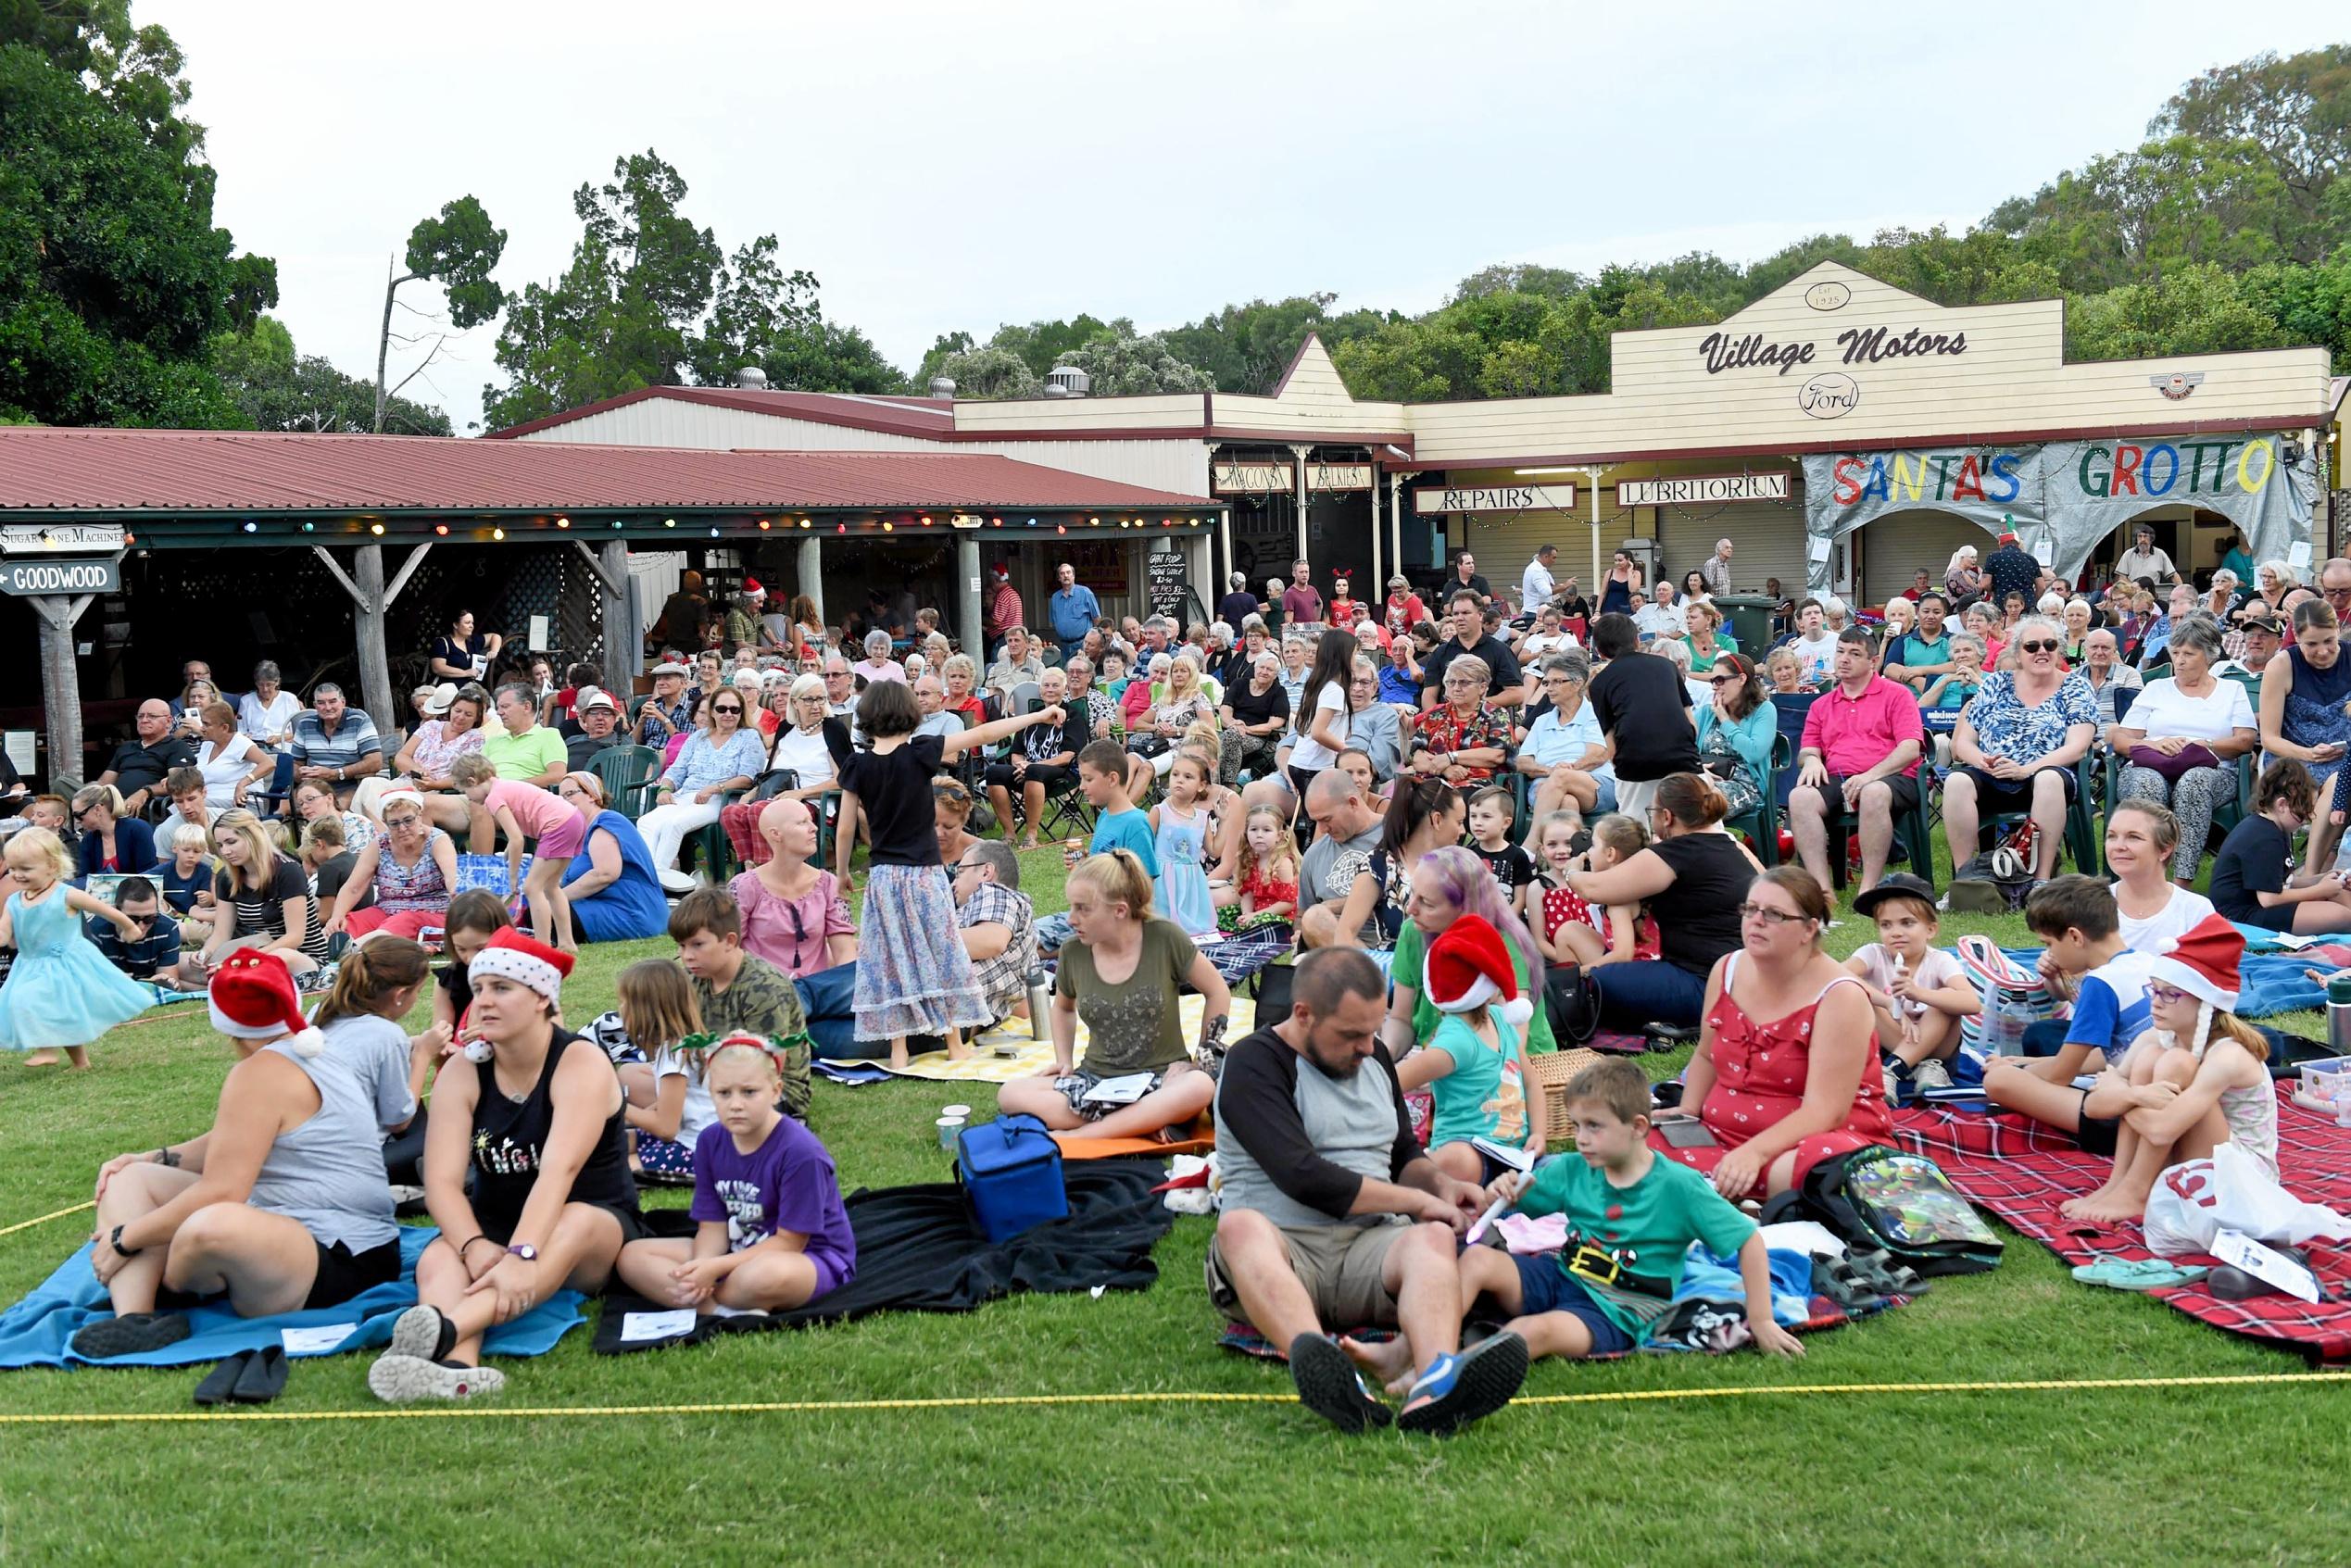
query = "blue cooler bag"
{"x": 1010, "y": 1171}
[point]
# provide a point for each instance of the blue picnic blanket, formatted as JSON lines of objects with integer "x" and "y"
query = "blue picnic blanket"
{"x": 35, "y": 1332}
{"x": 2269, "y": 982}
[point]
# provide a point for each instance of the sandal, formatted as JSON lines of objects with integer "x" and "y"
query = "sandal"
{"x": 1330, "y": 1387}
{"x": 2137, "y": 1273}
{"x": 1466, "y": 1387}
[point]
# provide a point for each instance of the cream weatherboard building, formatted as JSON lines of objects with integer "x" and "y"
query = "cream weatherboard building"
{"x": 1707, "y": 433}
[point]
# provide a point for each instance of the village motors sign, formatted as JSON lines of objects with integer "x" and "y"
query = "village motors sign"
{"x": 1496, "y": 499}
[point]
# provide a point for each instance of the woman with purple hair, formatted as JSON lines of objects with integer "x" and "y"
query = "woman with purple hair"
{"x": 1448, "y": 883}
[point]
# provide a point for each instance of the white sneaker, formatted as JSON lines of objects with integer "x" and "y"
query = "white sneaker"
{"x": 1893, "y": 1084}
{"x": 402, "y": 1380}
{"x": 1930, "y": 1075}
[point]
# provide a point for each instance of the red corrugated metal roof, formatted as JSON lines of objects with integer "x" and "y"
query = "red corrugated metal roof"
{"x": 44, "y": 469}
{"x": 906, "y": 416}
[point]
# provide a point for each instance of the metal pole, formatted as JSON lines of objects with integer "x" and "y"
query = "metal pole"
{"x": 1224, "y": 533}
{"x": 1301, "y": 452}
{"x": 967, "y": 590}
{"x": 812, "y": 575}
{"x": 1379, "y": 579}
{"x": 1593, "y": 474}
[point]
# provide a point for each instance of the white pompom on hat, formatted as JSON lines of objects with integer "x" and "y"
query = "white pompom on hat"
{"x": 1468, "y": 966}
{"x": 524, "y": 958}
{"x": 2204, "y": 962}
{"x": 253, "y": 998}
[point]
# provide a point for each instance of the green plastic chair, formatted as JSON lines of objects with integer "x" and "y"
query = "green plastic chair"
{"x": 1762, "y": 823}
{"x": 628, "y": 774}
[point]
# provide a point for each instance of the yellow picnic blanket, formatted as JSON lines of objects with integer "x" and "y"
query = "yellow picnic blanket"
{"x": 1035, "y": 1053}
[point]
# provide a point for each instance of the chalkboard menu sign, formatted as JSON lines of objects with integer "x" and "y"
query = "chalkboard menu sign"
{"x": 1167, "y": 572}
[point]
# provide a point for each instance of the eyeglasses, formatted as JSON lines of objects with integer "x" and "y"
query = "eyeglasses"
{"x": 1722, "y": 680}
{"x": 2039, "y": 645}
{"x": 2337, "y": 593}
{"x": 1768, "y": 915}
{"x": 2166, "y": 995}
{"x": 410, "y": 821}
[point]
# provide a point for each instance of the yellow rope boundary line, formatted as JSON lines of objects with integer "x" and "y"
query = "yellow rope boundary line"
{"x": 44, "y": 1219}
{"x": 983, "y": 1401}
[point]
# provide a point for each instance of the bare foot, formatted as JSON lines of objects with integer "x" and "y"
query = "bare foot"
{"x": 2072, "y": 1207}
{"x": 43, "y": 1059}
{"x": 1031, "y": 843}
{"x": 2108, "y": 1206}
{"x": 898, "y": 1055}
{"x": 957, "y": 1050}
{"x": 1391, "y": 1361}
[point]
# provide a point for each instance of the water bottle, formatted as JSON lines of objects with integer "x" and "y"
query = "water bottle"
{"x": 2339, "y": 1015}
{"x": 1040, "y": 1003}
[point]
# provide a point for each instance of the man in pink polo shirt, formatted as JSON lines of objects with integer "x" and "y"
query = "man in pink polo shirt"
{"x": 1860, "y": 757}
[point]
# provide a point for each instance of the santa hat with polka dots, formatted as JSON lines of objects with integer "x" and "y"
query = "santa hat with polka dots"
{"x": 524, "y": 958}
{"x": 252, "y": 998}
{"x": 1469, "y": 968}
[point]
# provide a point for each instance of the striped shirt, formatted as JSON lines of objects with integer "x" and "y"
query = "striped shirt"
{"x": 317, "y": 747}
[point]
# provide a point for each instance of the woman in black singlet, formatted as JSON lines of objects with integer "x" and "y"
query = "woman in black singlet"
{"x": 539, "y": 1122}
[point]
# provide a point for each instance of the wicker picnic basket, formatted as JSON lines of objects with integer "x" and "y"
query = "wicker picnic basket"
{"x": 1549, "y": 1075}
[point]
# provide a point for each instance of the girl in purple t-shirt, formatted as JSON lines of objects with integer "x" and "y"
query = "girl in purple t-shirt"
{"x": 771, "y": 1233}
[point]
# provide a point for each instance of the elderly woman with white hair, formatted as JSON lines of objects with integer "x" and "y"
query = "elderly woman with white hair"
{"x": 2181, "y": 739}
{"x": 1676, "y": 653}
{"x": 1962, "y": 575}
{"x": 812, "y": 743}
{"x": 877, "y": 664}
{"x": 2273, "y": 580}
{"x": 2077, "y": 618}
{"x": 2016, "y": 746}
{"x": 1257, "y": 711}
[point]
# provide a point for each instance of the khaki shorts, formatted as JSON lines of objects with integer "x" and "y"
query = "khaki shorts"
{"x": 1635, "y": 798}
{"x": 1341, "y": 1267}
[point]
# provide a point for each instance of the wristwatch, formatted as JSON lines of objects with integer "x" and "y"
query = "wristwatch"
{"x": 115, "y": 1240}
{"x": 525, "y": 1251}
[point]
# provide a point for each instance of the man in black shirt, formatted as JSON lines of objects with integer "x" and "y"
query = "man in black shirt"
{"x": 139, "y": 765}
{"x": 1316, "y": 1226}
{"x": 1465, "y": 576}
{"x": 2011, "y": 569}
{"x": 1239, "y": 605}
{"x": 597, "y": 728}
{"x": 1643, "y": 708}
{"x": 1467, "y": 617}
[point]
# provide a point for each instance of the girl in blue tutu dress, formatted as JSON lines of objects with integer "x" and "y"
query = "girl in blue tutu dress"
{"x": 61, "y": 993}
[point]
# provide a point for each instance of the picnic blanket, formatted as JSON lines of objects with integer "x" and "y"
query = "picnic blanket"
{"x": 2021, "y": 1169}
{"x": 1198, "y": 1138}
{"x": 36, "y": 1331}
{"x": 918, "y": 1251}
{"x": 1035, "y": 1053}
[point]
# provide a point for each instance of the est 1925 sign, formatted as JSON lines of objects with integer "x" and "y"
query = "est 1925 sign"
{"x": 89, "y": 574}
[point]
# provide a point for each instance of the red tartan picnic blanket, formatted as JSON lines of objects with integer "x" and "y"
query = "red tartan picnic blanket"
{"x": 2022, "y": 1171}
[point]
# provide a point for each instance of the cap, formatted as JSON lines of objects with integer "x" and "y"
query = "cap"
{"x": 2262, "y": 619}
{"x": 1900, "y": 884}
{"x": 441, "y": 699}
{"x": 671, "y": 667}
{"x": 593, "y": 697}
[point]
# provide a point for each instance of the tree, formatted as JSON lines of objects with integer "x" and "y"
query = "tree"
{"x": 989, "y": 373}
{"x": 624, "y": 312}
{"x": 2309, "y": 303}
{"x": 113, "y": 277}
{"x": 756, "y": 303}
{"x": 1981, "y": 267}
{"x": 274, "y": 388}
{"x": 459, "y": 250}
{"x": 2176, "y": 202}
{"x": 2295, "y": 115}
{"x": 828, "y": 357}
{"x": 941, "y": 346}
{"x": 2193, "y": 310}
{"x": 1411, "y": 361}
{"x": 1247, "y": 347}
{"x": 1120, "y": 364}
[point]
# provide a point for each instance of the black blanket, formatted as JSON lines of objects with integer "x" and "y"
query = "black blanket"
{"x": 918, "y": 1251}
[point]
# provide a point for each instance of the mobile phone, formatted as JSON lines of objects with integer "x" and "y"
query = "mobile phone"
{"x": 1687, "y": 1132}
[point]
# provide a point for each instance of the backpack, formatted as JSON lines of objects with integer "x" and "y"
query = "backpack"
{"x": 1882, "y": 1200}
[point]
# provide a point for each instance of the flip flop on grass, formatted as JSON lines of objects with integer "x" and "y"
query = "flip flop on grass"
{"x": 1466, "y": 1386}
{"x": 1329, "y": 1385}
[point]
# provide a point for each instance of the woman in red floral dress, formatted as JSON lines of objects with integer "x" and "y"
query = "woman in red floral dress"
{"x": 1462, "y": 739}
{"x": 1784, "y": 1075}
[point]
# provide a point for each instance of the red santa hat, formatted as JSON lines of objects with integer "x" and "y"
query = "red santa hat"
{"x": 252, "y": 998}
{"x": 2203, "y": 963}
{"x": 752, "y": 586}
{"x": 1468, "y": 966}
{"x": 524, "y": 958}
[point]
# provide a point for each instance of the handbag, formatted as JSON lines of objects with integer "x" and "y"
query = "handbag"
{"x": 1730, "y": 771}
{"x": 1573, "y": 1004}
{"x": 2173, "y": 764}
{"x": 1011, "y": 1172}
{"x": 2013, "y": 997}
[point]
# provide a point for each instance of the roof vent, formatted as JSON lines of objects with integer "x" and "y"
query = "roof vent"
{"x": 751, "y": 377}
{"x": 943, "y": 387}
{"x": 1066, "y": 380}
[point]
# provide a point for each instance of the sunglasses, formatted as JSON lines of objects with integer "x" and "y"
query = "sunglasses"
{"x": 1722, "y": 680}
{"x": 2039, "y": 645}
{"x": 727, "y": 707}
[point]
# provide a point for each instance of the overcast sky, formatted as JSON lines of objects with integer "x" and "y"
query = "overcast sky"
{"x": 956, "y": 166}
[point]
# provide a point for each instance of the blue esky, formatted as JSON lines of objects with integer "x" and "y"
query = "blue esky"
{"x": 955, "y": 165}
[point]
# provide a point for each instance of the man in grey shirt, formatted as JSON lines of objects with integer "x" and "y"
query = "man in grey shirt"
{"x": 1333, "y": 1215}
{"x": 1351, "y": 831}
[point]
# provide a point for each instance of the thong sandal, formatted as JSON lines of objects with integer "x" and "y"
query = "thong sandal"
{"x": 2137, "y": 1274}
{"x": 1466, "y": 1387}
{"x": 1330, "y": 1387}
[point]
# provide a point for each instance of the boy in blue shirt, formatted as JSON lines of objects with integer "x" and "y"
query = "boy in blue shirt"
{"x": 1630, "y": 1218}
{"x": 1102, "y": 775}
{"x": 2075, "y": 915}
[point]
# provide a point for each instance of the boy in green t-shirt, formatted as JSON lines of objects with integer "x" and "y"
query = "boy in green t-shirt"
{"x": 1631, "y": 1217}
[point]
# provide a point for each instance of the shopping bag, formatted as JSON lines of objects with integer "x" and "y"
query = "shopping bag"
{"x": 2194, "y": 1201}
{"x": 2013, "y": 996}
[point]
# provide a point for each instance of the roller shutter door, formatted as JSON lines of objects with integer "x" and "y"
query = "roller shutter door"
{"x": 1767, "y": 537}
{"x": 1893, "y": 548}
{"x": 1504, "y": 542}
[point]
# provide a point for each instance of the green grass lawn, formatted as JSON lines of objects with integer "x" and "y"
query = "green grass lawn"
{"x": 2122, "y": 1476}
